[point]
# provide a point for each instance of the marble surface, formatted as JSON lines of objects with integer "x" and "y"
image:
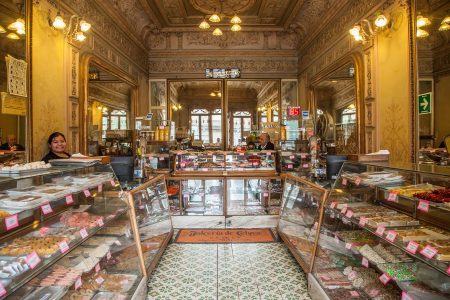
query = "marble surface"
{"x": 198, "y": 221}
{"x": 252, "y": 222}
{"x": 228, "y": 271}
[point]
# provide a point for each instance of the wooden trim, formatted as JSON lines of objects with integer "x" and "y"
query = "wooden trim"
{"x": 28, "y": 57}
{"x": 303, "y": 264}
{"x": 414, "y": 78}
{"x": 157, "y": 257}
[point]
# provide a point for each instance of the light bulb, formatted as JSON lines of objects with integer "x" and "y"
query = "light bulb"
{"x": 12, "y": 36}
{"x": 235, "y": 20}
{"x": 79, "y": 36}
{"x": 444, "y": 27}
{"x": 219, "y": 94}
{"x": 179, "y": 106}
{"x": 381, "y": 21}
{"x": 2, "y": 29}
{"x": 236, "y": 27}
{"x": 58, "y": 23}
{"x": 217, "y": 32}
{"x": 355, "y": 30}
{"x": 422, "y": 21}
{"x": 421, "y": 33}
{"x": 204, "y": 25}
{"x": 212, "y": 94}
{"x": 20, "y": 24}
{"x": 84, "y": 26}
{"x": 20, "y": 31}
{"x": 446, "y": 20}
{"x": 214, "y": 18}
{"x": 358, "y": 38}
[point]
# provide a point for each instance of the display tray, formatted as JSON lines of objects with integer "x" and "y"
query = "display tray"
{"x": 74, "y": 161}
{"x": 23, "y": 172}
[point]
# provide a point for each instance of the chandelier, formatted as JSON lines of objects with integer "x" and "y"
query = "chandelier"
{"x": 219, "y": 16}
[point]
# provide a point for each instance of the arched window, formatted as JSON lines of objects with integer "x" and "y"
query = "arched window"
{"x": 114, "y": 120}
{"x": 206, "y": 125}
{"x": 349, "y": 115}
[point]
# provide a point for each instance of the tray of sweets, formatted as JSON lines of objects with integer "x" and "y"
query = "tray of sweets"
{"x": 118, "y": 283}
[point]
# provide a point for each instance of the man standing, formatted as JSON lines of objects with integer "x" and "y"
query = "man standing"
{"x": 11, "y": 144}
{"x": 264, "y": 142}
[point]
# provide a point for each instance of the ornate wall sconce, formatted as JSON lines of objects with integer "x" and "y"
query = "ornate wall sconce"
{"x": 76, "y": 29}
{"x": 364, "y": 30}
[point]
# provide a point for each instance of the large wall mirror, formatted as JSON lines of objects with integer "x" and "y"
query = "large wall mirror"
{"x": 14, "y": 76}
{"x": 433, "y": 61}
{"x": 336, "y": 113}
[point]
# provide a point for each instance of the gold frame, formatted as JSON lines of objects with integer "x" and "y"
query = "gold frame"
{"x": 358, "y": 60}
{"x": 304, "y": 264}
{"x": 85, "y": 60}
{"x": 414, "y": 78}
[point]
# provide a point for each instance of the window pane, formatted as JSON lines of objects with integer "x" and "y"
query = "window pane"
{"x": 247, "y": 124}
{"x": 216, "y": 128}
{"x": 195, "y": 128}
{"x": 123, "y": 122}
{"x": 104, "y": 123}
{"x": 236, "y": 131}
{"x": 114, "y": 122}
{"x": 204, "y": 129}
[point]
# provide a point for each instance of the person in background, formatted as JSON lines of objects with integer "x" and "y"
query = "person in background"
{"x": 250, "y": 144}
{"x": 264, "y": 142}
{"x": 57, "y": 144}
{"x": 11, "y": 144}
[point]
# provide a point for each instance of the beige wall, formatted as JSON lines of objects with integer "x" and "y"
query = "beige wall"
{"x": 442, "y": 111}
{"x": 393, "y": 95}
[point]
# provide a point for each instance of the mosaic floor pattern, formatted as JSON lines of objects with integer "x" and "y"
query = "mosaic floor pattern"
{"x": 228, "y": 271}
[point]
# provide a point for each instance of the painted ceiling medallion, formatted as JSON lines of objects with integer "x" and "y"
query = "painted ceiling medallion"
{"x": 229, "y": 7}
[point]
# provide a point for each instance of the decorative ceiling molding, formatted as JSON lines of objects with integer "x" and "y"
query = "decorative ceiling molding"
{"x": 229, "y": 7}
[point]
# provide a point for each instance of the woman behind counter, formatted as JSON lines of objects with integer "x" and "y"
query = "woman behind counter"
{"x": 57, "y": 144}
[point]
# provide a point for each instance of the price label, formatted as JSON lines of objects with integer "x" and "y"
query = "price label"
{"x": 108, "y": 255}
{"x": 69, "y": 199}
{"x": 161, "y": 158}
{"x": 352, "y": 275}
{"x": 97, "y": 268}
{"x": 290, "y": 166}
{"x": 32, "y": 260}
{"x": 405, "y": 296}
{"x": 344, "y": 181}
{"x": 391, "y": 236}
{"x": 348, "y": 246}
{"x": 363, "y": 221}
{"x": 336, "y": 239}
{"x": 99, "y": 280}
{"x": 120, "y": 297}
{"x": 365, "y": 262}
{"x": 78, "y": 283}
{"x": 87, "y": 193}
{"x": 100, "y": 222}
{"x": 448, "y": 270}
{"x": 2, "y": 290}
{"x": 354, "y": 294}
{"x": 269, "y": 153}
{"x": 141, "y": 206}
{"x": 349, "y": 214}
{"x": 424, "y": 205}
{"x": 112, "y": 182}
{"x": 266, "y": 194}
{"x": 291, "y": 157}
{"x": 333, "y": 204}
{"x": 384, "y": 278}
{"x": 182, "y": 165}
{"x": 325, "y": 278}
{"x": 100, "y": 188}
{"x": 412, "y": 247}
{"x": 429, "y": 252}
{"x": 12, "y": 222}
{"x": 46, "y": 209}
{"x": 150, "y": 157}
{"x": 380, "y": 230}
{"x": 316, "y": 225}
{"x": 83, "y": 233}
{"x": 305, "y": 166}
{"x": 240, "y": 169}
{"x": 303, "y": 156}
{"x": 358, "y": 181}
{"x": 254, "y": 163}
{"x": 241, "y": 153}
{"x": 393, "y": 197}
{"x": 344, "y": 209}
{"x": 63, "y": 246}
{"x": 205, "y": 169}
{"x": 43, "y": 231}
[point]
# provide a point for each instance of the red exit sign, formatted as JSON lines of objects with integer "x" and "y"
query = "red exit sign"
{"x": 294, "y": 111}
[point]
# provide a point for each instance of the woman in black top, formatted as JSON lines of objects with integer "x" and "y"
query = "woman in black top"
{"x": 57, "y": 144}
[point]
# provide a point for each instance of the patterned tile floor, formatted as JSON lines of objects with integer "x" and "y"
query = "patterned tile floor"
{"x": 228, "y": 271}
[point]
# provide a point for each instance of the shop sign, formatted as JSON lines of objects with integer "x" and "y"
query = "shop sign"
{"x": 305, "y": 115}
{"x": 425, "y": 103}
{"x": 294, "y": 111}
{"x": 222, "y": 73}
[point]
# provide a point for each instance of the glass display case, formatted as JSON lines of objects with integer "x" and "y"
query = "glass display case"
{"x": 66, "y": 233}
{"x": 299, "y": 162}
{"x": 158, "y": 163}
{"x": 385, "y": 234}
{"x": 300, "y": 218}
{"x": 150, "y": 208}
{"x": 225, "y": 163}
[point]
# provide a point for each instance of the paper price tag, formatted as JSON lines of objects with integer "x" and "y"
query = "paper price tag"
{"x": 365, "y": 262}
{"x": 112, "y": 182}
{"x": 182, "y": 165}
{"x": 380, "y": 230}
{"x": 269, "y": 153}
{"x": 412, "y": 247}
{"x": 354, "y": 294}
{"x": 384, "y": 278}
{"x": 424, "y": 205}
{"x": 2, "y": 290}
{"x": 336, "y": 239}
{"x": 43, "y": 231}
{"x": 69, "y": 199}
{"x": 46, "y": 209}
{"x": 100, "y": 222}
{"x": 266, "y": 194}
{"x": 11, "y": 222}
{"x": 344, "y": 209}
{"x": 325, "y": 278}
{"x": 316, "y": 225}
{"x": 161, "y": 158}
{"x": 141, "y": 206}
{"x": 344, "y": 181}
{"x": 352, "y": 275}
{"x": 391, "y": 236}
{"x": 100, "y": 188}
{"x": 32, "y": 260}
{"x": 405, "y": 296}
{"x": 393, "y": 197}
{"x": 205, "y": 169}
{"x": 78, "y": 283}
{"x": 290, "y": 166}
{"x": 99, "y": 280}
{"x": 83, "y": 233}
{"x": 363, "y": 221}
{"x": 429, "y": 252}
{"x": 349, "y": 214}
{"x": 63, "y": 246}
{"x": 241, "y": 153}
{"x": 448, "y": 270}
{"x": 333, "y": 205}
{"x": 305, "y": 166}
{"x": 108, "y": 255}
{"x": 303, "y": 156}
{"x": 120, "y": 297}
{"x": 97, "y": 268}
{"x": 348, "y": 246}
{"x": 358, "y": 181}
{"x": 240, "y": 169}
{"x": 291, "y": 157}
{"x": 87, "y": 193}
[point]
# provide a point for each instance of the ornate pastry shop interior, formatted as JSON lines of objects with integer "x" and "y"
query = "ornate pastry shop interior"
{"x": 224, "y": 149}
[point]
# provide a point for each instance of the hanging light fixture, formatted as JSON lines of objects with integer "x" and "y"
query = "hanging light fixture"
{"x": 236, "y": 27}
{"x": 214, "y": 18}
{"x": 58, "y": 22}
{"x": 421, "y": 33}
{"x": 217, "y": 32}
{"x": 204, "y": 25}
{"x": 2, "y": 29}
{"x": 84, "y": 26}
{"x": 217, "y": 17}
{"x": 235, "y": 20}
{"x": 422, "y": 21}
{"x": 12, "y": 36}
{"x": 445, "y": 24}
